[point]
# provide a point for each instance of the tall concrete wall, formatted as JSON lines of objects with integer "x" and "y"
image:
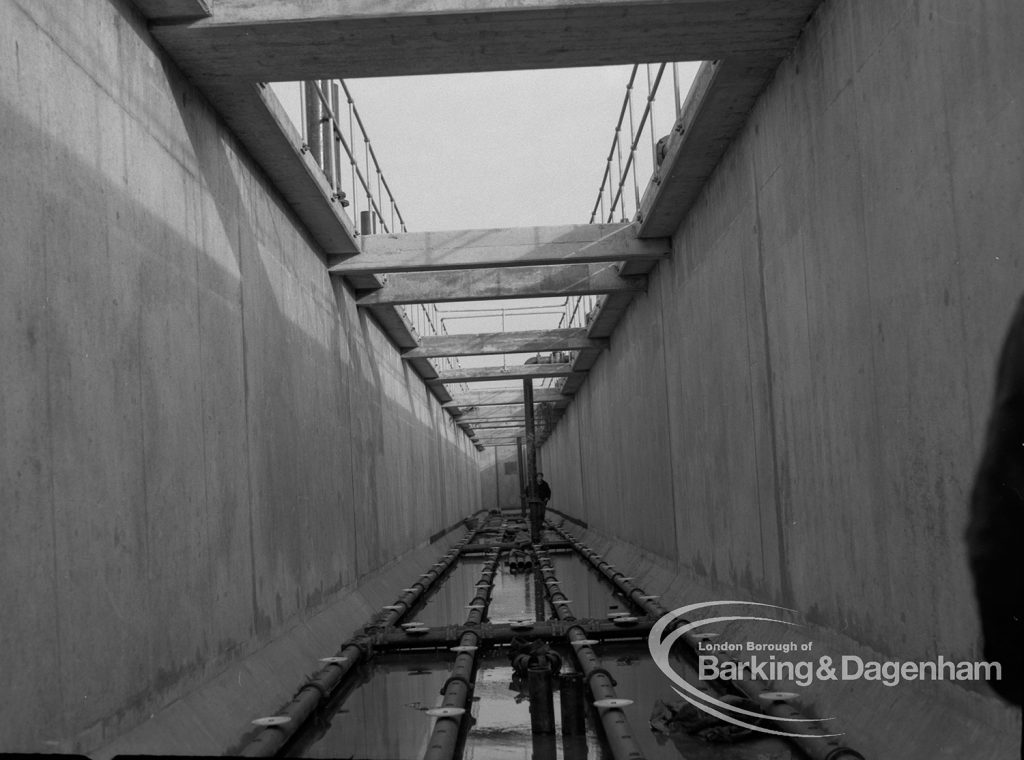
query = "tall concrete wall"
{"x": 499, "y": 478}
{"x": 203, "y": 440}
{"x": 795, "y": 409}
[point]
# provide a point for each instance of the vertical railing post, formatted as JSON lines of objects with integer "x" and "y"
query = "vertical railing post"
{"x": 675, "y": 86}
{"x": 336, "y": 137}
{"x": 327, "y": 133}
{"x": 313, "y": 113}
{"x": 650, "y": 109}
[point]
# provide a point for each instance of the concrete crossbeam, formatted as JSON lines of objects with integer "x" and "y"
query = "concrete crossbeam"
{"x": 493, "y": 412}
{"x": 486, "y": 422}
{"x": 509, "y": 429}
{"x": 525, "y": 341}
{"x": 482, "y": 417}
{"x": 514, "y": 372}
{"x": 715, "y": 110}
{"x": 490, "y": 248}
{"x": 514, "y": 282}
{"x": 470, "y": 399}
{"x": 292, "y": 40}
{"x": 177, "y": 10}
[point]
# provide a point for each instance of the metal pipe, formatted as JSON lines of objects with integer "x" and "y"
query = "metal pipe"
{"x": 573, "y": 708}
{"x": 319, "y": 687}
{"x": 810, "y": 742}
{"x": 542, "y": 699}
{"x": 574, "y": 723}
{"x": 544, "y": 747}
{"x": 444, "y": 739}
{"x": 498, "y": 634}
{"x": 347, "y": 145}
{"x": 616, "y": 727}
{"x": 549, "y": 545}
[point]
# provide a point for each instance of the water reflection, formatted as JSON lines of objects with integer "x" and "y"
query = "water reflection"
{"x": 501, "y": 730}
{"x": 591, "y": 595}
{"x": 383, "y": 716}
{"x": 514, "y": 597}
{"x": 446, "y": 604}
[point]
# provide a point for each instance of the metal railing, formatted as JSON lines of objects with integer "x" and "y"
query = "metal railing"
{"x": 612, "y": 197}
{"x": 622, "y": 169}
{"x": 332, "y": 131}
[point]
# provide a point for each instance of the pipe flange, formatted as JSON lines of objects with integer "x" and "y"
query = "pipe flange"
{"x": 363, "y": 643}
{"x": 452, "y": 679}
{"x": 603, "y": 671}
{"x": 844, "y": 752}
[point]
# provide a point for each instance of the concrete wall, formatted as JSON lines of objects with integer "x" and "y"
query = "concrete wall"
{"x": 809, "y": 376}
{"x": 216, "y": 718}
{"x": 203, "y": 440}
{"x": 917, "y": 720}
{"x": 499, "y": 478}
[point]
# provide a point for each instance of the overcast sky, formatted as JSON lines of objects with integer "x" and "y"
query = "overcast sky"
{"x": 503, "y": 149}
{"x": 527, "y": 148}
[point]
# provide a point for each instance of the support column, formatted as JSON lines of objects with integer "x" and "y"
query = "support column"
{"x": 522, "y": 475}
{"x": 531, "y": 462}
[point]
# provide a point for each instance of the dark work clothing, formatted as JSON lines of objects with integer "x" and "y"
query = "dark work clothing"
{"x": 995, "y": 532}
{"x": 543, "y": 490}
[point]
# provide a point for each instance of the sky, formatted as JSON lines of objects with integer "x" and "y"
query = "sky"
{"x": 502, "y": 149}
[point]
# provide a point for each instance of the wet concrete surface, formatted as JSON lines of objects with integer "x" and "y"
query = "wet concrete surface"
{"x": 383, "y": 716}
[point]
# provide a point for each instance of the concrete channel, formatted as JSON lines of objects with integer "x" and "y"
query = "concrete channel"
{"x": 438, "y": 674}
